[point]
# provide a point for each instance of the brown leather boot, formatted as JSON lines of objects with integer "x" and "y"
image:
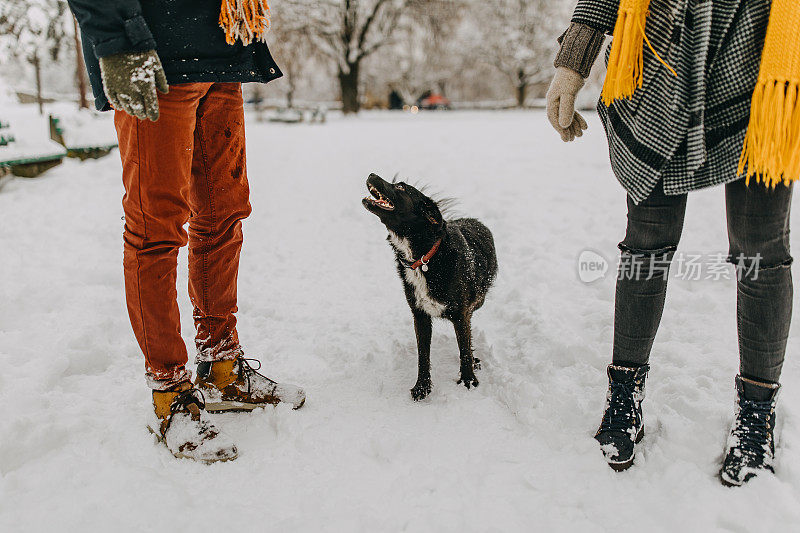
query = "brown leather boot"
{"x": 236, "y": 386}
{"x": 184, "y": 430}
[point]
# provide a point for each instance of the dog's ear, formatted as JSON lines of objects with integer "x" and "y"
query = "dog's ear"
{"x": 431, "y": 211}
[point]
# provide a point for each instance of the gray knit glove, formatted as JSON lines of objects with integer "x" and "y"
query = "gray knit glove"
{"x": 130, "y": 81}
{"x": 561, "y": 104}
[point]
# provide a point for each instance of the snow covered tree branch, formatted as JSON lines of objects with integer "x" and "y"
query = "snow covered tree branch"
{"x": 30, "y": 29}
{"x": 518, "y": 37}
{"x": 348, "y": 31}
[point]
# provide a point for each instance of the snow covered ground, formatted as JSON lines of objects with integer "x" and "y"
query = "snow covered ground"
{"x": 321, "y": 305}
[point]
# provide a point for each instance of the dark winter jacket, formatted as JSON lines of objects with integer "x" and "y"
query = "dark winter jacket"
{"x": 688, "y": 130}
{"x": 185, "y": 33}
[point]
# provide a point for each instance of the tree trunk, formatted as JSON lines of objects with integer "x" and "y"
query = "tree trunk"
{"x": 80, "y": 68}
{"x": 522, "y": 89}
{"x": 37, "y": 67}
{"x": 255, "y": 95}
{"x": 522, "y": 93}
{"x": 349, "y": 85}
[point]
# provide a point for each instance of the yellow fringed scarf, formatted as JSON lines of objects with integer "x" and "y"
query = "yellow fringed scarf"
{"x": 771, "y": 150}
{"x": 626, "y": 62}
{"x": 244, "y": 20}
{"x": 772, "y": 146}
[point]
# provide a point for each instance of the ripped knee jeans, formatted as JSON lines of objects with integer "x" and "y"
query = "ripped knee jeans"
{"x": 758, "y": 235}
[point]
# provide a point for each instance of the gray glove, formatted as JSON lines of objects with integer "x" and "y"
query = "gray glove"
{"x": 130, "y": 81}
{"x": 561, "y": 104}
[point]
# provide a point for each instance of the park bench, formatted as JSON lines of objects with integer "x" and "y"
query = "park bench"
{"x": 296, "y": 116}
{"x": 25, "y": 160}
{"x": 79, "y": 138}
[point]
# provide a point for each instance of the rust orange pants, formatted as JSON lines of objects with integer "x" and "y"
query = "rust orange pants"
{"x": 189, "y": 166}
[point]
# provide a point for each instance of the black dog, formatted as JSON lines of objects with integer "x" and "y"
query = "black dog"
{"x": 447, "y": 268}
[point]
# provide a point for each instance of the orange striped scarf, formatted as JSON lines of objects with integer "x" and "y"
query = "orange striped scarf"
{"x": 244, "y": 20}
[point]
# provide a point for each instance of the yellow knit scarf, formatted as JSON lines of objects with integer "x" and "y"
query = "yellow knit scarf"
{"x": 244, "y": 20}
{"x": 771, "y": 149}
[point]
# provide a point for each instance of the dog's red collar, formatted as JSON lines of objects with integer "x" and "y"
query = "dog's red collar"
{"x": 423, "y": 261}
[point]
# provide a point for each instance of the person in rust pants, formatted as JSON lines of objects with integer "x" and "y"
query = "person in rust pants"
{"x": 187, "y": 166}
{"x": 172, "y": 73}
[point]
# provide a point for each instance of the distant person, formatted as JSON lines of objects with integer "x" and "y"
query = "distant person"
{"x": 395, "y": 100}
{"x": 675, "y": 126}
{"x": 183, "y": 160}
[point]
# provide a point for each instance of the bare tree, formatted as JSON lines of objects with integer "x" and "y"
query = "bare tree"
{"x": 426, "y": 54}
{"x": 518, "y": 37}
{"x": 293, "y": 50}
{"x": 348, "y": 31}
{"x": 80, "y": 66}
{"x": 30, "y": 29}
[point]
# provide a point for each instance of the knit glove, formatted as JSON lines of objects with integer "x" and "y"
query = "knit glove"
{"x": 561, "y": 104}
{"x": 130, "y": 81}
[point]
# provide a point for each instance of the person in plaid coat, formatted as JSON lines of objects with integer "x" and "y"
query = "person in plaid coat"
{"x": 683, "y": 131}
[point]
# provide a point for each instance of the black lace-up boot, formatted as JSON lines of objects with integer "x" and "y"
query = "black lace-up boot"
{"x": 622, "y": 427}
{"x": 751, "y": 445}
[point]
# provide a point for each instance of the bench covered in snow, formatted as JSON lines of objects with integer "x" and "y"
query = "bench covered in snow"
{"x": 83, "y": 135}
{"x": 25, "y": 156}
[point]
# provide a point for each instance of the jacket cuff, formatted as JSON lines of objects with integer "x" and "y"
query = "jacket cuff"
{"x": 600, "y": 15}
{"x": 137, "y": 38}
{"x": 580, "y": 46}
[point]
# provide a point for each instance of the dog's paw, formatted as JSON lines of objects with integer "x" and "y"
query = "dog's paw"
{"x": 476, "y": 363}
{"x": 468, "y": 380}
{"x": 420, "y": 391}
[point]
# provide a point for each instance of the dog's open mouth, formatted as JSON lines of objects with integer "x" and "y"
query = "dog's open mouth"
{"x": 378, "y": 200}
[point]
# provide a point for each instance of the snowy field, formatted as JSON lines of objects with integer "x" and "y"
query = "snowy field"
{"x": 321, "y": 305}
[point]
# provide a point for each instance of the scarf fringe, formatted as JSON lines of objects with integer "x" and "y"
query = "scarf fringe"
{"x": 771, "y": 150}
{"x": 626, "y": 61}
{"x": 244, "y": 20}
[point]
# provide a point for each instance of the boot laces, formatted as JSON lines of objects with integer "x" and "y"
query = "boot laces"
{"x": 191, "y": 400}
{"x": 246, "y": 369}
{"x": 752, "y": 427}
{"x": 621, "y": 413}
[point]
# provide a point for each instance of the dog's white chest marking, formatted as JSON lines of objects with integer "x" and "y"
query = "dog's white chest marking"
{"x": 422, "y": 296}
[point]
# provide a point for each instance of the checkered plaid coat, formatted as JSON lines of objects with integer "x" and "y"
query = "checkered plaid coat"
{"x": 688, "y": 130}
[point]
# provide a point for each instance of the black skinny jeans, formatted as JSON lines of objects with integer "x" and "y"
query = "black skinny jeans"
{"x": 758, "y": 227}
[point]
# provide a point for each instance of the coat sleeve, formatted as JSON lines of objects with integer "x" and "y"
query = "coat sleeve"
{"x": 113, "y": 26}
{"x": 598, "y": 14}
{"x": 580, "y": 46}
